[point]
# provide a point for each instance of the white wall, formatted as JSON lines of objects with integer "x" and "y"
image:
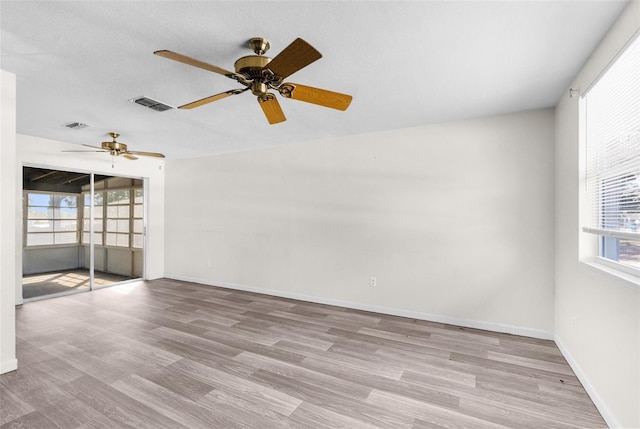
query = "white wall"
{"x": 48, "y": 153}
{"x": 597, "y": 321}
{"x": 455, "y": 221}
{"x": 8, "y": 233}
{"x": 42, "y": 260}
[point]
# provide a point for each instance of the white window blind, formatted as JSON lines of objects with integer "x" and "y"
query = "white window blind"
{"x": 612, "y": 120}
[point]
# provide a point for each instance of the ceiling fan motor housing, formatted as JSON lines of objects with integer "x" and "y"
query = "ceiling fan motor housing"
{"x": 251, "y": 66}
{"x": 114, "y": 147}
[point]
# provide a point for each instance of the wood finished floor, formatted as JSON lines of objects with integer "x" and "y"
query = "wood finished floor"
{"x": 170, "y": 354}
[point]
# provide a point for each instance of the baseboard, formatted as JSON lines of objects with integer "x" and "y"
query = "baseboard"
{"x": 8, "y": 365}
{"x": 591, "y": 391}
{"x": 468, "y": 323}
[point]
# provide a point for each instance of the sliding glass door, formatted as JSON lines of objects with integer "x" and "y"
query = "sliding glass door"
{"x": 117, "y": 229}
{"x": 81, "y": 231}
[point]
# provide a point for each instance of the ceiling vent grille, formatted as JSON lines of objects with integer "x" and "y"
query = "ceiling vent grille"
{"x": 75, "y": 125}
{"x": 151, "y": 103}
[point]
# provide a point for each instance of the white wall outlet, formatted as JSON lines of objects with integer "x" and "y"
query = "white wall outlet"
{"x": 209, "y": 263}
{"x": 373, "y": 281}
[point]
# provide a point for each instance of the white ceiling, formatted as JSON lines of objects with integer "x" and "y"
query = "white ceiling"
{"x": 406, "y": 63}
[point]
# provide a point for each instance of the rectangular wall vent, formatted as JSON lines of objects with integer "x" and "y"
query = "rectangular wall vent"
{"x": 151, "y": 103}
{"x": 75, "y": 125}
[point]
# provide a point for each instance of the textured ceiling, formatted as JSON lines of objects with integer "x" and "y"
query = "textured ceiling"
{"x": 405, "y": 63}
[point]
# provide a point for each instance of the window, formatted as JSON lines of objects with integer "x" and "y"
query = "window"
{"x": 117, "y": 223}
{"x": 118, "y": 218}
{"x": 52, "y": 219}
{"x": 97, "y": 218}
{"x": 138, "y": 214}
{"x": 611, "y": 110}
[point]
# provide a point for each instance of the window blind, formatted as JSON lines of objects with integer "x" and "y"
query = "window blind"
{"x": 612, "y": 121}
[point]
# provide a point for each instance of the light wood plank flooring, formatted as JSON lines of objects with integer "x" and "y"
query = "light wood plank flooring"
{"x": 170, "y": 354}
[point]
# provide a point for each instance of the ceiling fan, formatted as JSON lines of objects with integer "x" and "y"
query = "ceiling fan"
{"x": 115, "y": 148}
{"x": 261, "y": 74}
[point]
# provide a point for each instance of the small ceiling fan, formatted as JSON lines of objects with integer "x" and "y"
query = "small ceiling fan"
{"x": 115, "y": 148}
{"x": 261, "y": 74}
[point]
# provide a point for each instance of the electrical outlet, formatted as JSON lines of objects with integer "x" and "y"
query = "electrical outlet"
{"x": 373, "y": 281}
{"x": 209, "y": 263}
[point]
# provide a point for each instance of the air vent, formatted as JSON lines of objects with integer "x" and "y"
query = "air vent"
{"x": 75, "y": 125}
{"x": 151, "y": 103}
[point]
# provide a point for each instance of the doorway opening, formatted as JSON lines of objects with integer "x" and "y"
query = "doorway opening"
{"x": 81, "y": 231}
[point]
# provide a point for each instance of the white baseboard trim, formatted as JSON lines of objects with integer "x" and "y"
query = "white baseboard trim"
{"x": 468, "y": 323}
{"x": 8, "y": 365}
{"x": 591, "y": 391}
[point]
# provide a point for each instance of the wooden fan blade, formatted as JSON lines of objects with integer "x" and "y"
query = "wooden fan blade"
{"x": 212, "y": 98}
{"x": 321, "y": 97}
{"x": 131, "y": 157}
{"x": 193, "y": 62}
{"x": 294, "y": 57}
{"x": 135, "y": 152}
{"x": 272, "y": 109}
